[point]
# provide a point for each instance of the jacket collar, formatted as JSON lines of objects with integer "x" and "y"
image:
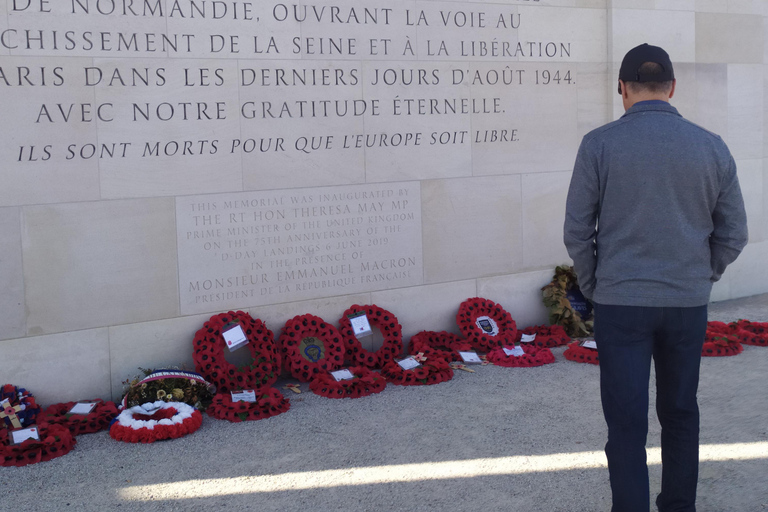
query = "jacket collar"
{"x": 651, "y": 106}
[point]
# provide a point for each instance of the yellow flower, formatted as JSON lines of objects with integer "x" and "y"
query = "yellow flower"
{"x": 161, "y": 394}
{"x": 178, "y": 393}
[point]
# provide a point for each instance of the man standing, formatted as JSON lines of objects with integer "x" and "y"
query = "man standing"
{"x": 654, "y": 215}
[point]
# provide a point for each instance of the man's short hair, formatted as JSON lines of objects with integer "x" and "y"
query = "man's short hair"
{"x": 650, "y": 69}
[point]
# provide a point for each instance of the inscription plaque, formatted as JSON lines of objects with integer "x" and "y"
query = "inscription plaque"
{"x": 253, "y": 248}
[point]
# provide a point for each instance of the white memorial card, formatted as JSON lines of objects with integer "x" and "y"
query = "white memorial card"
{"x": 246, "y": 395}
{"x": 517, "y": 351}
{"x": 470, "y": 357}
{"x": 360, "y": 324}
{"x": 234, "y": 337}
{"x": 408, "y": 363}
{"x": 82, "y": 408}
{"x": 589, "y": 344}
{"x": 527, "y": 338}
{"x": 19, "y": 436}
{"x": 342, "y": 375}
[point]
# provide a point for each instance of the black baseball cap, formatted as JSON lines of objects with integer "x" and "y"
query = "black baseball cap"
{"x": 638, "y": 56}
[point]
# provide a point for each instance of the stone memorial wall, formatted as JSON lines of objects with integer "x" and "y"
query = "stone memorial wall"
{"x": 165, "y": 160}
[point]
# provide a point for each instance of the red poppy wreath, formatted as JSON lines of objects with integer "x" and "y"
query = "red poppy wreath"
{"x": 311, "y": 346}
{"x": 95, "y": 421}
{"x": 55, "y": 441}
{"x": 485, "y": 324}
{"x": 720, "y": 340}
{"x": 156, "y": 421}
{"x": 547, "y": 336}
{"x": 270, "y": 402}
{"x": 579, "y": 354}
{"x": 753, "y": 333}
{"x": 366, "y": 382}
{"x": 443, "y": 345}
{"x": 534, "y": 356}
{"x": 387, "y": 324}
{"x": 209, "y": 346}
{"x": 433, "y": 370}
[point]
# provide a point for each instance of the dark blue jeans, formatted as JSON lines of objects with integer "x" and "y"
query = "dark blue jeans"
{"x": 628, "y": 337}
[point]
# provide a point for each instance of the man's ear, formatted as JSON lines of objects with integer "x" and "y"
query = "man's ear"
{"x": 672, "y": 91}
{"x": 623, "y": 89}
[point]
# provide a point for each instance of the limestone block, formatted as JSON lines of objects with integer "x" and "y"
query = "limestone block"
{"x": 597, "y": 4}
{"x": 426, "y": 308}
{"x": 595, "y": 96}
{"x": 38, "y": 162}
{"x": 86, "y": 28}
{"x": 167, "y": 136}
{"x": 672, "y": 30}
{"x": 711, "y": 83}
{"x": 745, "y": 111}
{"x": 59, "y": 367}
{"x": 152, "y": 345}
{"x": 290, "y": 135}
{"x": 424, "y": 129}
{"x": 749, "y": 275}
{"x": 233, "y": 34}
{"x": 3, "y": 27}
{"x": 750, "y": 174}
{"x": 257, "y": 248}
{"x": 381, "y": 21}
{"x": 544, "y": 196}
{"x": 721, "y": 290}
{"x": 536, "y": 129}
{"x": 765, "y": 197}
{"x": 686, "y": 98}
{"x": 731, "y": 38}
{"x": 747, "y": 7}
{"x": 472, "y": 227}
{"x": 712, "y": 5}
{"x": 12, "y": 321}
{"x": 519, "y": 294}
{"x": 329, "y": 309}
{"x": 633, "y": 4}
{"x": 100, "y": 263}
{"x": 676, "y": 5}
{"x": 455, "y": 33}
{"x": 585, "y": 29}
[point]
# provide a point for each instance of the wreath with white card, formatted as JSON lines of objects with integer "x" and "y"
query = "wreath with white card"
{"x": 50, "y": 441}
{"x": 73, "y": 415}
{"x": 532, "y": 356}
{"x": 432, "y": 344}
{"x": 269, "y": 402}
{"x": 311, "y": 346}
{"x": 156, "y": 421}
{"x": 209, "y": 345}
{"x": 432, "y": 370}
{"x": 485, "y": 324}
{"x": 377, "y": 317}
{"x": 579, "y": 353}
{"x": 548, "y": 336}
{"x": 364, "y": 382}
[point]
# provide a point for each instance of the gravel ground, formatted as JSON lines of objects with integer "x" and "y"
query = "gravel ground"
{"x": 518, "y": 439}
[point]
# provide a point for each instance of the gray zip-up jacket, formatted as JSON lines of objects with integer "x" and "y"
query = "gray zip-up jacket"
{"x": 654, "y": 211}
